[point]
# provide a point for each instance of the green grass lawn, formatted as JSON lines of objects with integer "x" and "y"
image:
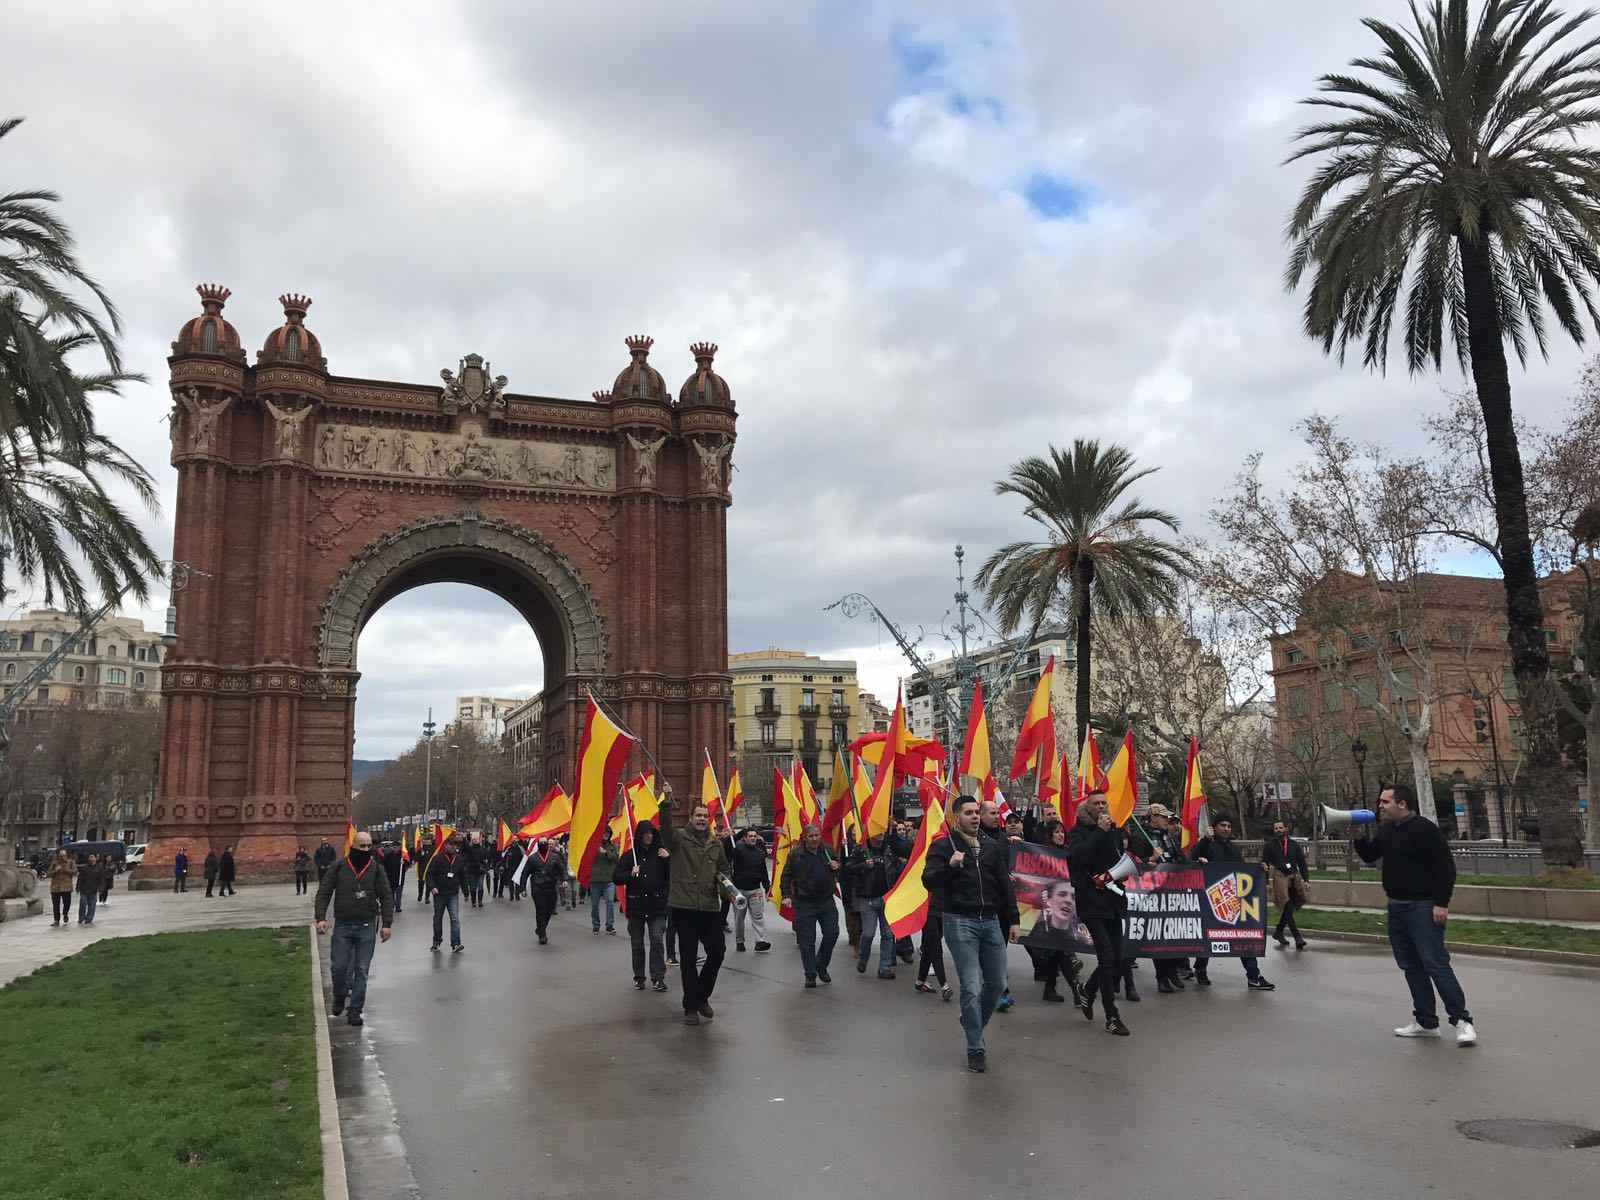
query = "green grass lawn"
{"x": 169, "y": 1066}
{"x": 1526, "y": 934}
{"x": 1564, "y": 880}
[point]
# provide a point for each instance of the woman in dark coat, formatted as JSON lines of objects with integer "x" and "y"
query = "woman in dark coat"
{"x": 225, "y": 873}
{"x": 1050, "y": 964}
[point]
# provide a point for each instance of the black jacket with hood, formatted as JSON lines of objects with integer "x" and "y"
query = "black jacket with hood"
{"x": 647, "y": 891}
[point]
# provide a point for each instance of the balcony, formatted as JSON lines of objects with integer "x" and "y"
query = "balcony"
{"x": 776, "y": 746}
{"x": 810, "y": 711}
{"x": 769, "y": 711}
{"x": 838, "y": 712}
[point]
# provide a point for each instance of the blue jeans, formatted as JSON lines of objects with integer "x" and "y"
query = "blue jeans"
{"x": 873, "y": 917}
{"x": 608, "y": 893}
{"x": 978, "y": 947}
{"x": 447, "y": 904}
{"x": 1418, "y": 946}
{"x": 353, "y": 944}
{"x": 807, "y": 919}
{"x": 86, "y": 905}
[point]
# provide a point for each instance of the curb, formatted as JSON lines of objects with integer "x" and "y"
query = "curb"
{"x": 335, "y": 1183}
{"x": 1566, "y": 958}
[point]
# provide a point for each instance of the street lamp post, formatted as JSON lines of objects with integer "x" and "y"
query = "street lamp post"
{"x": 427, "y": 777}
{"x": 455, "y": 802}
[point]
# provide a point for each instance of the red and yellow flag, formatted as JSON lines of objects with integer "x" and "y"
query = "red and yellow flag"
{"x": 1034, "y": 722}
{"x": 416, "y": 840}
{"x": 405, "y": 855}
{"x": 1122, "y": 783}
{"x": 349, "y": 837}
{"x": 911, "y": 753}
{"x": 810, "y": 811}
{"x": 642, "y": 798}
{"x": 906, "y": 903}
{"x": 441, "y": 835}
{"x": 602, "y": 753}
{"x": 711, "y": 796}
{"x": 1090, "y": 777}
{"x": 735, "y": 795}
{"x": 838, "y": 809}
{"x": 975, "y": 761}
{"x": 1194, "y": 796}
{"x": 1052, "y": 773}
{"x": 503, "y": 837}
{"x": 786, "y": 816}
{"x": 552, "y": 815}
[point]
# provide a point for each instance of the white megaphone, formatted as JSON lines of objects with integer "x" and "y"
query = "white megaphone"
{"x": 1343, "y": 818}
{"x": 1124, "y": 867}
{"x": 732, "y": 894}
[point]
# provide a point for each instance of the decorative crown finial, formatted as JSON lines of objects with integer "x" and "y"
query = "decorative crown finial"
{"x": 603, "y": 396}
{"x": 703, "y": 352}
{"x": 212, "y": 294}
{"x": 639, "y": 344}
{"x": 294, "y": 306}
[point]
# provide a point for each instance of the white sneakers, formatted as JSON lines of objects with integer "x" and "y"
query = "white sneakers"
{"x": 1466, "y": 1035}
{"x": 1414, "y": 1030}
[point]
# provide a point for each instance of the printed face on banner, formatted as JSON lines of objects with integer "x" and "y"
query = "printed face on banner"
{"x": 1045, "y": 900}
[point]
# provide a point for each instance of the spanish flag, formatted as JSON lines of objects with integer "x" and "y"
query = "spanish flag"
{"x": 1122, "y": 783}
{"x": 786, "y": 816}
{"x": 503, "y": 837}
{"x": 911, "y": 753}
{"x": 1034, "y": 722}
{"x": 1090, "y": 777}
{"x": 349, "y": 837}
{"x": 405, "y": 854}
{"x": 1051, "y": 776}
{"x": 837, "y": 811}
{"x": 711, "y": 795}
{"x": 906, "y": 903}
{"x": 1194, "y": 796}
{"x": 416, "y": 841}
{"x": 552, "y": 815}
{"x": 441, "y": 835}
{"x": 735, "y": 794}
{"x": 975, "y": 762}
{"x": 602, "y": 753}
{"x": 810, "y": 813}
{"x": 642, "y": 799}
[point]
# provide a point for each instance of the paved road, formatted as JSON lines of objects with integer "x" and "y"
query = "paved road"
{"x": 520, "y": 1070}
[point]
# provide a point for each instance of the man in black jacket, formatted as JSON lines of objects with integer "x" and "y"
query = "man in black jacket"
{"x": 873, "y": 870}
{"x": 1289, "y": 874}
{"x": 324, "y": 858}
{"x": 645, "y": 872}
{"x": 446, "y": 873}
{"x": 545, "y": 873}
{"x": 1093, "y": 848}
{"x": 1219, "y": 847}
{"x": 971, "y": 875}
{"x": 475, "y": 858}
{"x": 359, "y": 889}
{"x": 807, "y": 882}
{"x": 1419, "y": 877}
{"x": 749, "y": 874}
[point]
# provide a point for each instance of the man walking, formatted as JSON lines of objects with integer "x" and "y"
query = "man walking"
{"x": 1287, "y": 861}
{"x": 475, "y": 858}
{"x": 1166, "y": 842}
{"x": 302, "y": 871}
{"x": 601, "y": 887}
{"x": 361, "y": 894}
{"x": 1219, "y": 847}
{"x": 697, "y": 860}
{"x": 88, "y": 889}
{"x": 180, "y": 870}
{"x": 1419, "y": 876}
{"x": 444, "y": 882}
{"x": 393, "y": 868}
{"x": 423, "y": 858}
{"x": 210, "y": 869}
{"x": 972, "y": 876}
{"x": 808, "y": 878}
{"x": 63, "y": 872}
{"x": 643, "y": 872}
{"x": 547, "y": 869}
{"x": 226, "y": 871}
{"x": 751, "y": 877}
{"x": 871, "y": 871}
{"x": 1093, "y": 847}
{"x": 325, "y": 857}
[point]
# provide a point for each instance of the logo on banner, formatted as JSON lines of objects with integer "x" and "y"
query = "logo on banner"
{"x": 1230, "y": 899}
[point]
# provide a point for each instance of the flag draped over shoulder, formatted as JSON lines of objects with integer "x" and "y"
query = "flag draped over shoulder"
{"x": 1035, "y": 721}
{"x": 1194, "y": 796}
{"x": 906, "y": 903}
{"x": 552, "y": 815}
{"x": 602, "y": 753}
{"x": 1122, "y": 783}
{"x": 975, "y": 760}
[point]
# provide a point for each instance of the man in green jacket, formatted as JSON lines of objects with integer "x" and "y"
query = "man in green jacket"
{"x": 359, "y": 889}
{"x": 693, "y": 895}
{"x": 600, "y": 886}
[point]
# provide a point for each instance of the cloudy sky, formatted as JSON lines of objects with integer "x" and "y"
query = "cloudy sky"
{"x": 929, "y": 238}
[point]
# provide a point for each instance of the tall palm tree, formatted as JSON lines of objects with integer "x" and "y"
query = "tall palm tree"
{"x": 54, "y": 464}
{"x": 1095, "y": 556}
{"x": 1455, "y": 171}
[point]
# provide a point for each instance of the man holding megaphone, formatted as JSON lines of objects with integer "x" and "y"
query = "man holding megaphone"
{"x": 1419, "y": 876}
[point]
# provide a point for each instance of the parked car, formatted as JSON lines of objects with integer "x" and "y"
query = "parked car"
{"x": 135, "y": 856}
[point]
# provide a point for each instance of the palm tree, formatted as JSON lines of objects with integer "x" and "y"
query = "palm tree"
{"x": 1455, "y": 171}
{"x": 54, "y": 465}
{"x": 1096, "y": 556}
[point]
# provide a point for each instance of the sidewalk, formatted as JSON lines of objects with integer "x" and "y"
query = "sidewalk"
{"x": 1455, "y": 916}
{"x": 28, "y": 943}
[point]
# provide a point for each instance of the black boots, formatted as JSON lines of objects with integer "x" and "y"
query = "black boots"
{"x": 1053, "y": 996}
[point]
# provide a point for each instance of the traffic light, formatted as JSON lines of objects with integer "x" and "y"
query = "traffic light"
{"x": 1480, "y": 723}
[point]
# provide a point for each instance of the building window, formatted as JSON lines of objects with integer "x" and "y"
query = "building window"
{"x": 1294, "y": 655}
{"x": 769, "y": 733}
{"x": 138, "y": 678}
{"x": 839, "y": 734}
{"x": 766, "y": 679}
{"x": 1366, "y": 692}
{"x": 48, "y": 645}
{"x": 116, "y": 675}
{"x": 141, "y": 654}
{"x": 77, "y": 674}
{"x": 111, "y": 651}
{"x": 805, "y": 679}
{"x": 1332, "y": 696}
{"x": 1304, "y": 747}
{"x": 1403, "y": 685}
{"x": 291, "y": 344}
{"x": 769, "y": 698}
{"x": 838, "y": 678}
{"x": 1361, "y": 641}
{"x": 1457, "y": 634}
{"x": 808, "y": 696}
{"x": 11, "y": 670}
{"x": 1298, "y": 702}
{"x": 1324, "y": 649}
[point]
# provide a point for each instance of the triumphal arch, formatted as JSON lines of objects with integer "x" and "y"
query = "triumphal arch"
{"x": 306, "y": 500}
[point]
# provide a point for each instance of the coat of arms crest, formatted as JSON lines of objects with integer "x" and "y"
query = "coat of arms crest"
{"x": 471, "y": 389}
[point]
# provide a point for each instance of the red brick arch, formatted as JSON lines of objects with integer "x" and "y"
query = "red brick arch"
{"x": 309, "y": 500}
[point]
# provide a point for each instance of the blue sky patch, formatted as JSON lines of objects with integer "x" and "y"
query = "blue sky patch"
{"x": 917, "y": 58}
{"x": 1054, "y": 197}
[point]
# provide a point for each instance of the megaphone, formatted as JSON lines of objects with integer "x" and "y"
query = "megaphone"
{"x": 1343, "y": 818}
{"x": 732, "y": 894}
{"x": 1124, "y": 867}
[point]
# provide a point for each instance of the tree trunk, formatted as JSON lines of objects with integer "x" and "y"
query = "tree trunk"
{"x": 1081, "y": 585}
{"x": 1422, "y": 774}
{"x": 1591, "y": 729}
{"x": 1542, "y": 778}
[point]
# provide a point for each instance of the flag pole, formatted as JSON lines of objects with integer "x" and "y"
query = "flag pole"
{"x": 635, "y": 738}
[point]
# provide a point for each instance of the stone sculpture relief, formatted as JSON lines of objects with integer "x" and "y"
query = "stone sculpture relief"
{"x": 202, "y": 417}
{"x": 354, "y": 449}
{"x": 645, "y": 452}
{"x": 712, "y": 458}
{"x": 288, "y": 426}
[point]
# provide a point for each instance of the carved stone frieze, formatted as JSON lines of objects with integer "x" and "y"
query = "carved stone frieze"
{"x": 468, "y": 456}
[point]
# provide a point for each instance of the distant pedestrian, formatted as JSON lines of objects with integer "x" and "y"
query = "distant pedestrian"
{"x": 302, "y": 871}
{"x": 361, "y": 897}
{"x": 88, "y": 889}
{"x": 933, "y": 951}
{"x": 326, "y": 856}
{"x": 210, "y": 868}
{"x": 695, "y": 897}
{"x": 108, "y": 875}
{"x": 1286, "y": 860}
{"x": 807, "y": 882}
{"x": 394, "y": 869}
{"x": 424, "y": 857}
{"x": 601, "y": 887}
{"x": 225, "y": 872}
{"x": 751, "y": 877}
{"x": 444, "y": 884}
{"x": 476, "y": 860}
{"x": 1219, "y": 846}
{"x": 1419, "y": 877}
{"x": 643, "y": 871}
{"x": 180, "y": 870}
{"x": 872, "y": 869}
{"x": 63, "y": 872}
{"x": 547, "y": 868}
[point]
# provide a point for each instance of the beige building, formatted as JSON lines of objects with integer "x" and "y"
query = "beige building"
{"x": 926, "y": 719}
{"x": 787, "y": 703}
{"x": 524, "y": 727}
{"x": 485, "y": 715}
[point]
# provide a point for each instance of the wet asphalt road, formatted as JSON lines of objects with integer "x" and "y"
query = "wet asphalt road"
{"x": 518, "y": 1070}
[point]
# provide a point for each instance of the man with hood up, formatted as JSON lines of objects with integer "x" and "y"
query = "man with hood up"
{"x": 645, "y": 872}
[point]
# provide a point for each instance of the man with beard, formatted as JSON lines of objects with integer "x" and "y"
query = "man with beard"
{"x": 645, "y": 872}
{"x": 695, "y": 898}
{"x": 1287, "y": 860}
{"x": 360, "y": 893}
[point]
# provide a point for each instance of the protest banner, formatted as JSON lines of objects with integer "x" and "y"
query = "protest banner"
{"x": 1216, "y": 910}
{"x": 1045, "y": 902}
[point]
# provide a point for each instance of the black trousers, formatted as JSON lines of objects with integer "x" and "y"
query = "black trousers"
{"x": 225, "y": 888}
{"x": 475, "y": 890}
{"x": 180, "y": 883}
{"x": 1286, "y": 917}
{"x": 301, "y": 878}
{"x": 696, "y": 929}
{"x": 932, "y": 948}
{"x": 1107, "y": 935}
{"x": 60, "y": 905}
{"x": 544, "y": 904}
{"x": 211, "y": 882}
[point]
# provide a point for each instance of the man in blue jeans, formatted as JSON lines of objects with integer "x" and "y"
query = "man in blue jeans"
{"x": 360, "y": 891}
{"x": 872, "y": 871}
{"x": 971, "y": 876}
{"x": 808, "y": 882}
{"x": 1419, "y": 876}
